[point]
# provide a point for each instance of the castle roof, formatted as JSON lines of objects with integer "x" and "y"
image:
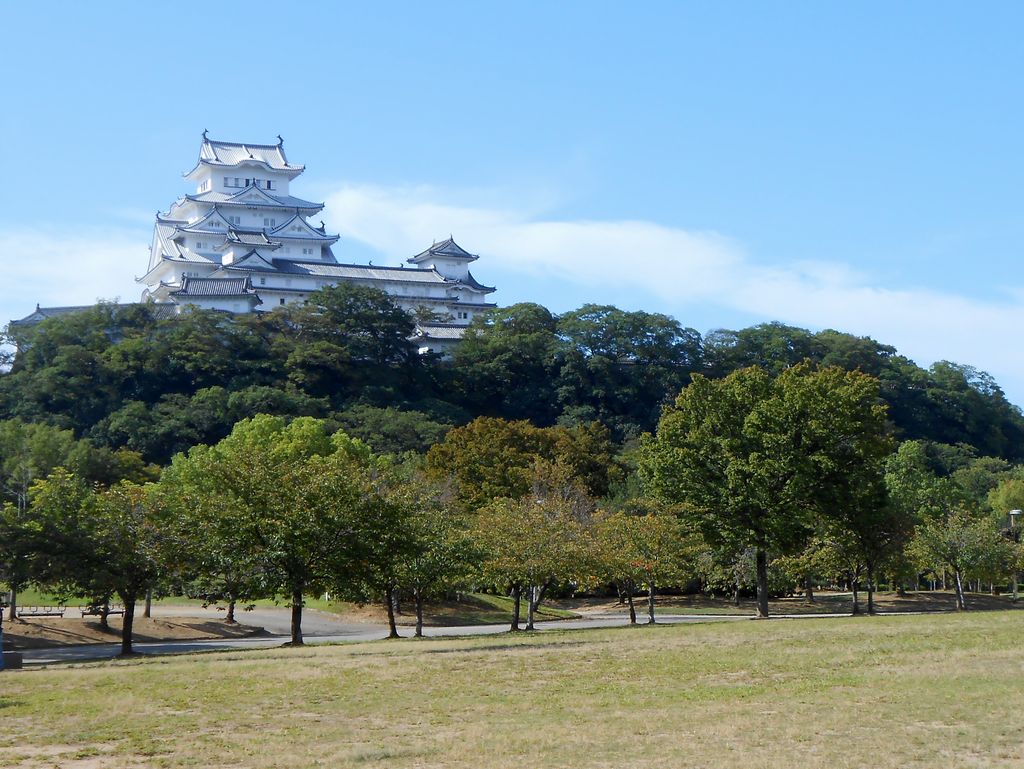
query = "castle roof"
{"x": 237, "y": 237}
{"x": 42, "y": 313}
{"x": 205, "y": 287}
{"x": 172, "y": 249}
{"x": 254, "y": 196}
{"x": 472, "y": 282}
{"x": 440, "y": 331}
{"x": 446, "y": 249}
{"x": 364, "y": 271}
{"x": 306, "y": 230}
{"x": 223, "y": 154}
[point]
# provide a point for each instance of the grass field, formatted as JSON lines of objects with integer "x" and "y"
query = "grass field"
{"x": 926, "y": 691}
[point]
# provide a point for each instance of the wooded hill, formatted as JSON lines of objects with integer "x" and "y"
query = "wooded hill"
{"x": 124, "y": 378}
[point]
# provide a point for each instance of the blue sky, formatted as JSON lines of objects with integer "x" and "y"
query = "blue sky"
{"x": 854, "y": 166}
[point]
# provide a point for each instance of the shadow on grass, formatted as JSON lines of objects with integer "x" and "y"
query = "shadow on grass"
{"x": 473, "y": 609}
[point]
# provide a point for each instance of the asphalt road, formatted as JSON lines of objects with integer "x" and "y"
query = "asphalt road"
{"x": 318, "y": 627}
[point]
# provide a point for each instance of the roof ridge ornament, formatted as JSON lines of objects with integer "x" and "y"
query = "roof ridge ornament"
{"x": 205, "y": 131}
{"x": 280, "y": 141}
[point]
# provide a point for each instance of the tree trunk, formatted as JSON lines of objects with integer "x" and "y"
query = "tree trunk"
{"x": 147, "y": 611}
{"x": 517, "y": 594}
{"x": 297, "y": 617}
{"x": 12, "y": 610}
{"x": 105, "y": 615}
{"x": 808, "y": 588}
{"x": 961, "y": 605}
{"x": 128, "y": 619}
{"x": 418, "y": 595}
{"x": 856, "y": 603}
{"x": 230, "y": 618}
{"x": 622, "y": 594}
{"x": 531, "y": 606}
{"x": 629, "y": 599}
{"x": 762, "y": 583}
{"x": 650, "y": 602}
{"x": 389, "y": 601}
{"x": 871, "y": 590}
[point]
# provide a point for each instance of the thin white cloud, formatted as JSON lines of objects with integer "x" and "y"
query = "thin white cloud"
{"x": 53, "y": 269}
{"x": 682, "y": 268}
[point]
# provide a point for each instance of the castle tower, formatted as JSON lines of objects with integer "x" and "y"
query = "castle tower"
{"x": 241, "y": 242}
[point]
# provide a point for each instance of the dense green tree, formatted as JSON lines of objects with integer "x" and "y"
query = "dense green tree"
{"x": 349, "y": 340}
{"x": 1007, "y": 496}
{"x": 759, "y": 460}
{"x": 493, "y": 458}
{"x": 643, "y": 551}
{"x": 966, "y": 546}
{"x": 293, "y": 497}
{"x": 390, "y": 430}
{"x": 442, "y": 556}
{"x": 620, "y": 367}
{"x": 526, "y": 546}
{"x": 505, "y": 365}
{"x": 135, "y": 376}
{"x": 914, "y": 486}
{"x": 103, "y": 542}
{"x": 773, "y": 347}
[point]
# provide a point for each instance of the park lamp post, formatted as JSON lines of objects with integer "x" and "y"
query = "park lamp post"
{"x": 1013, "y": 533}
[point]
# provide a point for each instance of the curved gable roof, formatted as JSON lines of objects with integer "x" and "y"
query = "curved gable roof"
{"x": 446, "y": 249}
{"x": 223, "y": 154}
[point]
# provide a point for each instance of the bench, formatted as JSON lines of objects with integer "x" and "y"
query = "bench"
{"x": 114, "y": 608}
{"x": 41, "y": 611}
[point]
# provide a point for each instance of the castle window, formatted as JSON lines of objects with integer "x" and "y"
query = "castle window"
{"x": 270, "y": 184}
{"x": 248, "y": 182}
{"x": 268, "y": 222}
{"x": 281, "y": 300}
{"x": 263, "y": 281}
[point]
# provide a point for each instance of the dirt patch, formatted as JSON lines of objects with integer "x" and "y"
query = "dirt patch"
{"x": 69, "y": 757}
{"x": 51, "y": 632}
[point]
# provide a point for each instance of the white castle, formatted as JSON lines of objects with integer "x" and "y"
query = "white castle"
{"x": 243, "y": 243}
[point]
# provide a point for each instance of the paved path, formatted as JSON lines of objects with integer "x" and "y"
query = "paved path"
{"x": 319, "y": 627}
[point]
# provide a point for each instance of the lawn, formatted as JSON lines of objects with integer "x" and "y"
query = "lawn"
{"x": 922, "y": 691}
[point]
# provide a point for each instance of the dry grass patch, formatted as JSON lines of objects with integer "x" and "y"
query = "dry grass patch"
{"x": 880, "y": 692}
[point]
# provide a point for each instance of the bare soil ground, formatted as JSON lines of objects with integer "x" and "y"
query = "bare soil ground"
{"x": 50, "y": 632}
